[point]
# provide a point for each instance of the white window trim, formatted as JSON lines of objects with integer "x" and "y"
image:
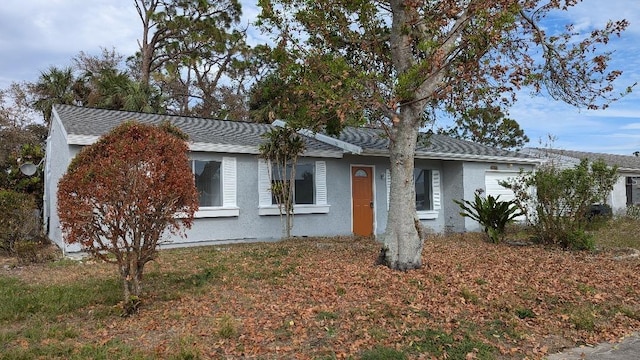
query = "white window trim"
{"x": 229, "y": 190}
{"x": 265, "y": 205}
{"x": 435, "y": 195}
{"x": 297, "y": 209}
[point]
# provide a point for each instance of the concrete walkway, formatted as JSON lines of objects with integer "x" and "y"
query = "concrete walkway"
{"x": 627, "y": 349}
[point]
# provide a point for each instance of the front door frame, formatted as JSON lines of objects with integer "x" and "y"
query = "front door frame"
{"x": 373, "y": 194}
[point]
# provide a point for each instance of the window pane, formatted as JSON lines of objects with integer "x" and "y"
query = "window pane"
{"x": 422, "y": 180}
{"x": 304, "y": 189}
{"x": 208, "y": 182}
{"x": 304, "y": 186}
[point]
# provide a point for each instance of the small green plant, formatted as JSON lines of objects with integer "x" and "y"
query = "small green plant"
{"x": 469, "y": 296}
{"x": 492, "y": 214}
{"x": 583, "y": 318}
{"x": 525, "y": 313}
{"x": 578, "y": 240}
{"x": 186, "y": 349}
{"x": 227, "y": 327}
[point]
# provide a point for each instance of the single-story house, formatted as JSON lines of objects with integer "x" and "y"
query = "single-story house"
{"x": 626, "y": 190}
{"x": 342, "y": 185}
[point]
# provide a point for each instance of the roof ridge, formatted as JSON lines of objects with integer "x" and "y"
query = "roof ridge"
{"x": 158, "y": 114}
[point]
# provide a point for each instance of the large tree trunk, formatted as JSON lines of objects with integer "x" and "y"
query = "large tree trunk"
{"x": 403, "y": 236}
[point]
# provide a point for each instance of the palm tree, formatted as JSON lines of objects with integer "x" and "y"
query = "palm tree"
{"x": 55, "y": 86}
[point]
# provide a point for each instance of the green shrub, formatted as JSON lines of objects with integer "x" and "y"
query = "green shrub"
{"x": 633, "y": 212}
{"x": 558, "y": 202}
{"x": 19, "y": 221}
{"x": 579, "y": 240}
{"x": 492, "y": 214}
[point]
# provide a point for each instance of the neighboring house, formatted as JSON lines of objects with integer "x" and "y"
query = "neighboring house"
{"x": 626, "y": 190}
{"x": 342, "y": 183}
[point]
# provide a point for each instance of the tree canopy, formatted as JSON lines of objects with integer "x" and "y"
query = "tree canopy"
{"x": 122, "y": 194}
{"x": 398, "y": 63}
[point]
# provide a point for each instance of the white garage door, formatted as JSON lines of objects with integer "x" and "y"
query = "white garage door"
{"x": 492, "y": 185}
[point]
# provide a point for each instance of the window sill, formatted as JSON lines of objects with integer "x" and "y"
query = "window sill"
{"x": 213, "y": 212}
{"x": 297, "y": 210}
{"x": 428, "y": 215}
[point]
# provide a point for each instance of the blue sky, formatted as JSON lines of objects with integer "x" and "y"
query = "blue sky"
{"x": 36, "y": 34}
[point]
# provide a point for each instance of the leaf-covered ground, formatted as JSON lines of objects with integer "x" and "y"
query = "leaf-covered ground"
{"x": 324, "y": 298}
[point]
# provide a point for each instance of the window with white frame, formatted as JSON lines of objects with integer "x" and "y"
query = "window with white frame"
{"x": 310, "y": 188}
{"x": 422, "y": 182}
{"x": 208, "y": 182}
{"x": 427, "y": 188}
{"x": 304, "y": 185}
{"x": 216, "y": 184}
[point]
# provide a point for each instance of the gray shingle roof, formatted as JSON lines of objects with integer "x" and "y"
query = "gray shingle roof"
{"x": 373, "y": 140}
{"x": 622, "y": 161}
{"x": 92, "y": 122}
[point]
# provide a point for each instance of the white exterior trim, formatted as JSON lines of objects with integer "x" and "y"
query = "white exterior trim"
{"x": 297, "y": 209}
{"x": 462, "y": 157}
{"x": 211, "y": 212}
{"x": 265, "y": 201}
{"x": 436, "y": 195}
{"x": 348, "y": 147}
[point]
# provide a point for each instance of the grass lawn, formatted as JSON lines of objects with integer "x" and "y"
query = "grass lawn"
{"x": 325, "y": 299}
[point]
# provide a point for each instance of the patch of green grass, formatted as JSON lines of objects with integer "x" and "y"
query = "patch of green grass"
{"x": 434, "y": 342}
{"x": 186, "y": 349}
{"x": 583, "y": 317}
{"x": 62, "y": 263}
{"x": 498, "y": 328}
{"x": 383, "y": 353}
{"x": 469, "y": 296}
{"x": 440, "y": 344}
{"x": 326, "y": 315}
{"x": 265, "y": 253}
{"x": 378, "y": 333}
{"x": 628, "y": 312}
{"x": 619, "y": 232}
{"x": 417, "y": 283}
{"x": 525, "y": 313}
{"x": 62, "y": 350}
{"x": 20, "y": 300}
{"x": 227, "y": 327}
{"x": 586, "y": 289}
{"x": 206, "y": 275}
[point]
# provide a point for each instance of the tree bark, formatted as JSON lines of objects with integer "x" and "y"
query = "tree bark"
{"x": 402, "y": 238}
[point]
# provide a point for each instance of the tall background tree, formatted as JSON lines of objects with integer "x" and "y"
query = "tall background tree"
{"x": 487, "y": 126}
{"x": 194, "y": 51}
{"x": 400, "y": 62}
{"x": 121, "y": 194}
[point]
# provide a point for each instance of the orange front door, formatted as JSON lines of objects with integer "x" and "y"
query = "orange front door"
{"x": 361, "y": 191}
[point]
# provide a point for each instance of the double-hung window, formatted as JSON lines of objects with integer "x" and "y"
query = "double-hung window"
{"x": 303, "y": 186}
{"x": 309, "y": 187}
{"x": 216, "y": 184}
{"x": 427, "y": 189}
